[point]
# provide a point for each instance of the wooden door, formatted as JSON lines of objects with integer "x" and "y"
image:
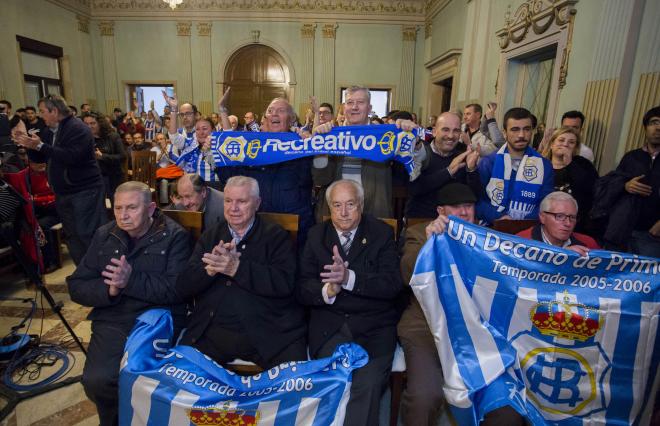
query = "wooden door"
{"x": 256, "y": 74}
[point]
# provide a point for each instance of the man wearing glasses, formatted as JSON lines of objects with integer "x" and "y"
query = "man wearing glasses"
{"x": 558, "y": 216}
{"x": 349, "y": 276}
{"x": 250, "y": 123}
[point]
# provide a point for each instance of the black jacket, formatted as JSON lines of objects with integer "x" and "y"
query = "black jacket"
{"x": 578, "y": 179}
{"x": 157, "y": 259}
{"x": 113, "y": 156}
{"x": 72, "y": 165}
{"x": 624, "y": 212}
{"x": 373, "y": 302}
{"x": 261, "y": 293}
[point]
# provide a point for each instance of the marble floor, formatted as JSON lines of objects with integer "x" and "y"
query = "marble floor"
{"x": 66, "y": 406}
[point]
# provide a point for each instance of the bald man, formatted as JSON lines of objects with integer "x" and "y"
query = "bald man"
{"x": 448, "y": 160}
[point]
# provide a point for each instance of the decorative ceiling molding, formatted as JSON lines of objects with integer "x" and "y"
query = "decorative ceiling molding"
{"x": 364, "y": 11}
{"x": 539, "y": 15}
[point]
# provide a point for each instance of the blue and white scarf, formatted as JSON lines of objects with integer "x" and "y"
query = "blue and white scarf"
{"x": 524, "y": 197}
{"x": 149, "y": 130}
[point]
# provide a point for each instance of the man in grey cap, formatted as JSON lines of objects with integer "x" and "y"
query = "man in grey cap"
{"x": 423, "y": 398}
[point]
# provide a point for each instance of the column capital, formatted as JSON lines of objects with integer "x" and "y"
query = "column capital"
{"x": 428, "y": 28}
{"x": 409, "y": 33}
{"x": 83, "y": 23}
{"x": 308, "y": 31}
{"x": 329, "y": 30}
{"x": 183, "y": 28}
{"x": 204, "y": 29}
{"x": 107, "y": 28}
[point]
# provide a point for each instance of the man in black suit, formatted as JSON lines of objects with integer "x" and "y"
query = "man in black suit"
{"x": 349, "y": 275}
{"x": 241, "y": 277}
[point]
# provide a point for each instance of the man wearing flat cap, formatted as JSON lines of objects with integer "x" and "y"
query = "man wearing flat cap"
{"x": 423, "y": 398}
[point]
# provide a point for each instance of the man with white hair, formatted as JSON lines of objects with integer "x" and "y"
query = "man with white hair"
{"x": 558, "y": 216}
{"x": 241, "y": 278}
{"x": 349, "y": 276}
{"x": 131, "y": 266}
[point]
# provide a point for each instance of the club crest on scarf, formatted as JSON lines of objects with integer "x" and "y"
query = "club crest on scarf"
{"x": 530, "y": 170}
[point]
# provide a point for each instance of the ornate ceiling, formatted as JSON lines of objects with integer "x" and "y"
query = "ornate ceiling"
{"x": 391, "y": 11}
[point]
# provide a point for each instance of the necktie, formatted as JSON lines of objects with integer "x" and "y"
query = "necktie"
{"x": 346, "y": 245}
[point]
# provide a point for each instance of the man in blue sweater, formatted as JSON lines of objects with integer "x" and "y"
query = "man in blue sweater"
{"x": 516, "y": 177}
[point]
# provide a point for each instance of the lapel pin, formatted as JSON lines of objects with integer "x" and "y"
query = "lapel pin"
{"x": 364, "y": 241}
{"x": 243, "y": 246}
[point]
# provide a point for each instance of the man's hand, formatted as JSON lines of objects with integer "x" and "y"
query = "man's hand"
{"x": 581, "y": 250}
{"x": 222, "y": 103}
{"x": 98, "y": 153}
{"x": 28, "y": 141}
{"x": 406, "y": 125}
{"x": 655, "y": 230}
{"x": 490, "y": 110}
{"x": 323, "y": 128}
{"x": 634, "y": 186}
{"x": 314, "y": 104}
{"x": 472, "y": 158}
{"x": 116, "y": 274}
{"x": 438, "y": 226}
{"x": 337, "y": 272}
{"x": 223, "y": 259}
{"x": 465, "y": 138}
{"x": 205, "y": 145}
{"x": 457, "y": 163}
{"x": 171, "y": 101}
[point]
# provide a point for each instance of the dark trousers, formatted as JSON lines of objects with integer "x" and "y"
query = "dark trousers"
{"x": 369, "y": 382}
{"x": 101, "y": 372}
{"x": 82, "y": 214}
{"x": 47, "y": 217}
{"x": 423, "y": 397}
{"x": 224, "y": 346}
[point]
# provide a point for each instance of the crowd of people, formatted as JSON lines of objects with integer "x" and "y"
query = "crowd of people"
{"x": 244, "y": 291}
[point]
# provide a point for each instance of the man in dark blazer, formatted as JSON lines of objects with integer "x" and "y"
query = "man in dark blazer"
{"x": 197, "y": 196}
{"x": 241, "y": 277}
{"x": 349, "y": 275}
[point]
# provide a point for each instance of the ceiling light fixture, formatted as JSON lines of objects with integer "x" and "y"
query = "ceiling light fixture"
{"x": 173, "y": 3}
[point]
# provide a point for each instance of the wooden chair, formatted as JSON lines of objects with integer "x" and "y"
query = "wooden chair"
{"x": 191, "y": 221}
{"x": 412, "y": 221}
{"x": 287, "y": 221}
{"x": 144, "y": 167}
{"x": 510, "y": 226}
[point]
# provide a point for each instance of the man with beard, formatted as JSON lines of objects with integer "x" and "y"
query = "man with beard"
{"x": 516, "y": 176}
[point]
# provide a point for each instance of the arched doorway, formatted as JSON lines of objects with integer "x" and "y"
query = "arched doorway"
{"x": 256, "y": 74}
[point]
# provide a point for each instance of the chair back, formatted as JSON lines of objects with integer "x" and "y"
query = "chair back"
{"x": 287, "y": 221}
{"x": 191, "y": 221}
{"x": 412, "y": 221}
{"x": 510, "y": 226}
{"x": 144, "y": 167}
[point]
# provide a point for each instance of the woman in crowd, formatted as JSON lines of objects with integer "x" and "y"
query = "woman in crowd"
{"x": 573, "y": 174}
{"x": 110, "y": 152}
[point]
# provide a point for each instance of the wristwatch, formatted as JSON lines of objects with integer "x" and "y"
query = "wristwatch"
{"x": 39, "y": 145}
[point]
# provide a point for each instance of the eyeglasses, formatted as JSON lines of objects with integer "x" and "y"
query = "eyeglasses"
{"x": 561, "y": 217}
{"x": 349, "y": 205}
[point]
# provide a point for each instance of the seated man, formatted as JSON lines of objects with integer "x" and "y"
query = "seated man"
{"x": 423, "y": 397}
{"x": 516, "y": 177}
{"x": 446, "y": 161}
{"x": 558, "y": 217}
{"x": 349, "y": 275}
{"x": 241, "y": 277}
{"x": 195, "y": 196}
{"x": 131, "y": 266}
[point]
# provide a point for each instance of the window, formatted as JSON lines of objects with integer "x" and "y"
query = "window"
{"x": 41, "y": 69}
{"x": 380, "y": 100}
{"x": 141, "y": 96}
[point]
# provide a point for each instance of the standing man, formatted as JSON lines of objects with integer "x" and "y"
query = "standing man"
{"x": 630, "y": 195}
{"x": 575, "y": 120}
{"x": 472, "y": 133}
{"x": 250, "y": 122}
{"x": 73, "y": 172}
{"x": 516, "y": 177}
{"x": 349, "y": 276}
{"x": 446, "y": 161}
{"x": 131, "y": 266}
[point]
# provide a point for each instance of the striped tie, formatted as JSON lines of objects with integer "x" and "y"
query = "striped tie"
{"x": 346, "y": 246}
